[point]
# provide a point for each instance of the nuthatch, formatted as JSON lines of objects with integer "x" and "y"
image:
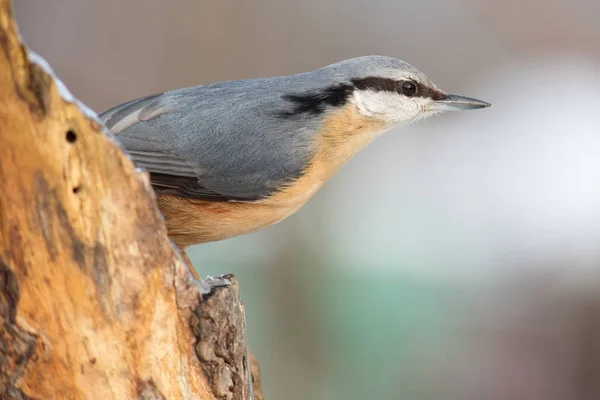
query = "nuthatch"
{"x": 234, "y": 157}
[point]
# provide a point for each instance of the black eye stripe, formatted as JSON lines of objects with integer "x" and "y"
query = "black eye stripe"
{"x": 317, "y": 102}
{"x": 389, "y": 85}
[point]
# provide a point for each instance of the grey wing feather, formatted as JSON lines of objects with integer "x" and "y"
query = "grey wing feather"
{"x": 216, "y": 142}
{"x": 152, "y": 150}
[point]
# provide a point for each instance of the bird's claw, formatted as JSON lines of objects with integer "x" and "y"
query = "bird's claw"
{"x": 209, "y": 283}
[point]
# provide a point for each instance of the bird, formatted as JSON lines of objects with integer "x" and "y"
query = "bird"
{"x": 234, "y": 157}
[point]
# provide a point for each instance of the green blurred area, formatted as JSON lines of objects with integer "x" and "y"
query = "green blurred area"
{"x": 350, "y": 336}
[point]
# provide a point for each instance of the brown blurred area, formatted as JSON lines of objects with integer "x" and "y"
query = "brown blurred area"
{"x": 499, "y": 208}
{"x": 535, "y": 338}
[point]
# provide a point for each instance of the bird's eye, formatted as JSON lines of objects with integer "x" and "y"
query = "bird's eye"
{"x": 409, "y": 89}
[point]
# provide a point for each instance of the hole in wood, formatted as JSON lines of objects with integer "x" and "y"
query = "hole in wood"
{"x": 71, "y": 136}
{"x": 76, "y": 189}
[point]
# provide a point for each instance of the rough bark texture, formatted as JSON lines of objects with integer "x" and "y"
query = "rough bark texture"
{"x": 220, "y": 326}
{"x": 95, "y": 303}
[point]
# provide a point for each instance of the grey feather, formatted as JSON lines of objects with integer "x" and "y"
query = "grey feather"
{"x": 237, "y": 140}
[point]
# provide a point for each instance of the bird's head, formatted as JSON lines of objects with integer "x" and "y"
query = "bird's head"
{"x": 395, "y": 92}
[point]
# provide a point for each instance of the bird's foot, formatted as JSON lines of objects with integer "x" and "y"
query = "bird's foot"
{"x": 207, "y": 285}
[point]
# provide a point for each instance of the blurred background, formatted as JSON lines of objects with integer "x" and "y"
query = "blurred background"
{"x": 458, "y": 258}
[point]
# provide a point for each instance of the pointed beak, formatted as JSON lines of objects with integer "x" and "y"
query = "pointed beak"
{"x": 454, "y": 102}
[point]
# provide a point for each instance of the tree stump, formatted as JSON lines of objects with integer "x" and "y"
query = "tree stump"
{"x": 96, "y": 302}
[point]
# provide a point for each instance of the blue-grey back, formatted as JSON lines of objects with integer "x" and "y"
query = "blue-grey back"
{"x": 238, "y": 140}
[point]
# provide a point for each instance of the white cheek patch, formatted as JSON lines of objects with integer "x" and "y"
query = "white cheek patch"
{"x": 391, "y": 107}
{"x": 363, "y": 103}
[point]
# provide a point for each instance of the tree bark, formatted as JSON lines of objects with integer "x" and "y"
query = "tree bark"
{"x": 95, "y": 302}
